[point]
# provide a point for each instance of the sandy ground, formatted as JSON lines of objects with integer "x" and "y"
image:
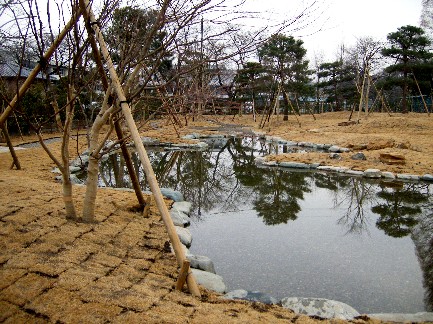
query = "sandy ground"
{"x": 119, "y": 270}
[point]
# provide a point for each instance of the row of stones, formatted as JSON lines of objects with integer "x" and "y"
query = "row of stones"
{"x": 369, "y": 173}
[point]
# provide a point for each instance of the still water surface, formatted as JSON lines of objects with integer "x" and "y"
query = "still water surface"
{"x": 292, "y": 233}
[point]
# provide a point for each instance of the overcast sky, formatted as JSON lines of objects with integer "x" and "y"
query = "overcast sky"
{"x": 342, "y": 21}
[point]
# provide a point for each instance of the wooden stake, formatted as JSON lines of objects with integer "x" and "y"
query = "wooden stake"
{"x": 183, "y": 274}
{"x": 420, "y": 93}
{"x": 147, "y": 207}
{"x": 153, "y": 183}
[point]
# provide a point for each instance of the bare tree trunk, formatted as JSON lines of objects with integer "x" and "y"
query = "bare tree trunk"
{"x": 93, "y": 166}
{"x": 66, "y": 174}
{"x": 16, "y": 162}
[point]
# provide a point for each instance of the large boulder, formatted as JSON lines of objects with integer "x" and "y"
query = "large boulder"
{"x": 172, "y": 194}
{"x": 182, "y": 206}
{"x": 185, "y": 236}
{"x": 201, "y": 262}
{"x": 179, "y": 218}
{"x": 324, "y": 308}
{"x": 210, "y": 281}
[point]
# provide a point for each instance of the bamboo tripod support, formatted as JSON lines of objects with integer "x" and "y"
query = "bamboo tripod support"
{"x": 153, "y": 183}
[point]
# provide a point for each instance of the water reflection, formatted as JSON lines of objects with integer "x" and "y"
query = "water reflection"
{"x": 226, "y": 179}
{"x": 398, "y": 208}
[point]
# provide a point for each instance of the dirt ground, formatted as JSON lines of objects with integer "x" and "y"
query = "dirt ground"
{"x": 119, "y": 269}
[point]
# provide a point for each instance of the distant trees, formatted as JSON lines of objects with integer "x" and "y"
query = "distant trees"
{"x": 336, "y": 81}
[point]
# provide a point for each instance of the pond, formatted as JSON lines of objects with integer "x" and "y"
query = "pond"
{"x": 299, "y": 233}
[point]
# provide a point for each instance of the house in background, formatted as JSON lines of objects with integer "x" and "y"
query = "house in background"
{"x": 11, "y": 71}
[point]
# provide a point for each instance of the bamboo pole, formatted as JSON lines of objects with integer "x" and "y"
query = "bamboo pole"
{"x": 45, "y": 58}
{"x": 153, "y": 183}
{"x": 127, "y": 157}
{"x": 420, "y": 93}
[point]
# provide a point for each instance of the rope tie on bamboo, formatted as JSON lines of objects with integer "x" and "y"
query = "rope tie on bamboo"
{"x": 43, "y": 62}
{"x": 91, "y": 23}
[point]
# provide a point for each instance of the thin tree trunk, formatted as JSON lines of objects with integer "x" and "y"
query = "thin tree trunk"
{"x": 16, "y": 162}
{"x": 66, "y": 174}
{"x": 129, "y": 165}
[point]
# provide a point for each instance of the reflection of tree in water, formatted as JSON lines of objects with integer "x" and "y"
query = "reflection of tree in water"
{"x": 399, "y": 208}
{"x": 277, "y": 195}
{"x": 357, "y": 195}
{"x": 276, "y": 192}
{"x": 352, "y": 194}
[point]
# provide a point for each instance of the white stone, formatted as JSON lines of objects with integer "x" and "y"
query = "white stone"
{"x": 210, "y": 281}
{"x": 184, "y": 249}
{"x": 354, "y": 172}
{"x": 335, "y": 149}
{"x": 185, "y": 236}
{"x": 405, "y": 176}
{"x": 321, "y": 307}
{"x": 172, "y": 194}
{"x": 372, "y": 173}
{"x": 201, "y": 262}
{"x": 182, "y": 206}
{"x": 297, "y": 165}
{"x": 259, "y": 160}
{"x": 388, "y": 175}
{"x": 329, "y": 168}
{"x": 74, "y": 169}
{"x": 179, "y": 218}
{"x": 427, "y": 177}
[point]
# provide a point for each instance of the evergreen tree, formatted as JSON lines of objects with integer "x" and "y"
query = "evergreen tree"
{"x": 408, "y": 46}
{"x": 337, "y": 82}
{"x": 284, "y": 58}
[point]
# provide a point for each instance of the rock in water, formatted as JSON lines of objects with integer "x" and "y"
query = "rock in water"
{"x": 321, "y": 307}
{"x": 209, "y": 280}
{"x": 172, "y": 194}
{"x": 201, "y": 262}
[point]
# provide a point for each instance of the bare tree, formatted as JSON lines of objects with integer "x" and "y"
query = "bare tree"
{"x": 366, "y": 56}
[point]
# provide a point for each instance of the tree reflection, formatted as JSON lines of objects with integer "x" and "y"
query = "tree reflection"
{"x": 278, "y": 194}
{"x": 357, "y": 195}
{"x": 399, "y": 208}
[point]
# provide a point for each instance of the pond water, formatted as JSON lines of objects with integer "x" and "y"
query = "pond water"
{"x": 292, "y": 233}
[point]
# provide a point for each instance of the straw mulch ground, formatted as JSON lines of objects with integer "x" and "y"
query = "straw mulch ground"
{"x": 120, "y": 270}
